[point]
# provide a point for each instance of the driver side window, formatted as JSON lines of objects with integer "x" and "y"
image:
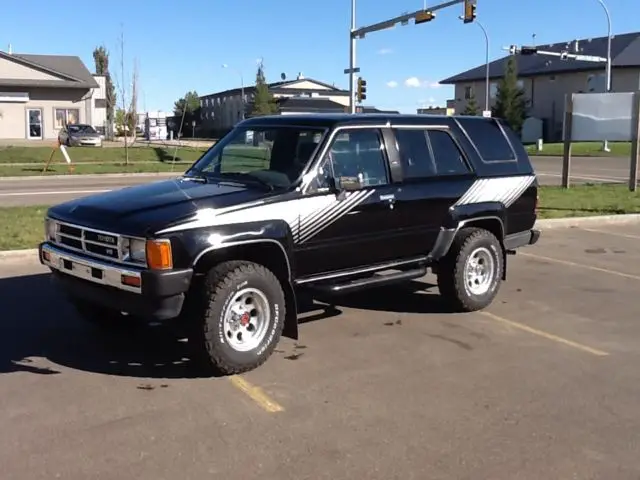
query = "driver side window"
{"x": 355, "y": 155}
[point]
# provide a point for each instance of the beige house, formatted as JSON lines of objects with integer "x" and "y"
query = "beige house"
{"x": 547, "y": 79}
{"x": 41, "y": 93}
{"x": 222, "y": 110}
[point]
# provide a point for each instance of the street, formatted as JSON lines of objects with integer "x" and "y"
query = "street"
{"x": 385, "y": 385}
{"x": 47, "y": 191}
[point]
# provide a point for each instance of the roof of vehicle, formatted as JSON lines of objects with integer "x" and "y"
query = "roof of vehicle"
{"x": 330, "y": 120}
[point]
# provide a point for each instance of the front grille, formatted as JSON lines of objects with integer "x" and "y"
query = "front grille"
{"x": 95, "y": 243}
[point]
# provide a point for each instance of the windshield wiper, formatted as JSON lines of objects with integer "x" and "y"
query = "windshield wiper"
{"x": 246, "y": 176}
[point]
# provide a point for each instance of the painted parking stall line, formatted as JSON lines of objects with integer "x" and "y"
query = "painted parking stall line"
{"x": 543, "y": 334}
{"x": 256, "y": 394}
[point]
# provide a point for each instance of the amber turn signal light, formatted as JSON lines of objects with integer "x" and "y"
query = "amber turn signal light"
{"x": 159, "y": 255}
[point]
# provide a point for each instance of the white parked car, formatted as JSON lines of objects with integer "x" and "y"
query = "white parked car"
{"x": 80, "y": 135}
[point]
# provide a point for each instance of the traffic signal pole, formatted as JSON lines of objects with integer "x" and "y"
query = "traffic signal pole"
{"x": 419, "y": 16}
{"x": 352, "y": 60}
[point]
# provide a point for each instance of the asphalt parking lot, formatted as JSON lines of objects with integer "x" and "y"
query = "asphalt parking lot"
{"x": 544, "y": 384}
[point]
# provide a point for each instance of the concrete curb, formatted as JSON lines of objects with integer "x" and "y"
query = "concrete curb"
{"x": 570, "y": 222}
{"x": 18, "y": 255}
{"x": 544, "y": 224}
{"x": 73, "y": 177}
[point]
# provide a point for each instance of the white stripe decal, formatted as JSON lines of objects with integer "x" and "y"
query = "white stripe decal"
{"x": 339, "y": 213}
{"x": 306, "y": 216}
{"x": 505, "y": 190}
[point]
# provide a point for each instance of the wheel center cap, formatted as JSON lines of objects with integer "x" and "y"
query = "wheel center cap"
{"x": 244, "y": 319}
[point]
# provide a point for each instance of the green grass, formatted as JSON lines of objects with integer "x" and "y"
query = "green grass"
{"x": 84, "y": 169}
{"x": 583, "y": 149}
{"x": 22, "y": 227}
{"x": 28, "y": 161}
{"x": 40, "y": 155}
{"x": 587, "y": 200}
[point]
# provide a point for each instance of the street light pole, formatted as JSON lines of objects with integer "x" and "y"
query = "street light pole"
{"x": 352, "y": 59}
{"x": 486, "y": 42}
{"x": 486, "y": 60}
{"x": 606, "y": 12}
{"x": 224, "y": 65}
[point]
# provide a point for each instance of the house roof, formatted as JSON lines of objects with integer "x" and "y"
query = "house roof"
{"x": 70, "y": 69}
{"x": 276, "y": 86}
{"x": 625, "y": 53}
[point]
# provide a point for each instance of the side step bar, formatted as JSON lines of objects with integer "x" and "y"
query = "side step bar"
{"x": 372, "y": 281}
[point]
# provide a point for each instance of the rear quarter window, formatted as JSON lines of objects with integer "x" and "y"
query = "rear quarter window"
{"x": 489, "y": 140}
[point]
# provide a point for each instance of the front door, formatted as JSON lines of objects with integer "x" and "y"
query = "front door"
{"x": 34, "y": 124}
{"x": 355, "y": 227}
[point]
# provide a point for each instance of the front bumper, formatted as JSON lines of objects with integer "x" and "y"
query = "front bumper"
{"x": 145, "y": 293}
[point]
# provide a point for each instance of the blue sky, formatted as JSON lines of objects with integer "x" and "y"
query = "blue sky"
{"x": 181, "y": 48}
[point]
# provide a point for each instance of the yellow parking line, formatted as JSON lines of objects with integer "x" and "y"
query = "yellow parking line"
{"x": 548, "y": 336}
{"x": 580, "y": 265}
{"x": 256, "y": 394}
{"x": 615, "y": 234}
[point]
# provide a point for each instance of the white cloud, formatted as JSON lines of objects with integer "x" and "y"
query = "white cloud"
{"x": 412, "y": 82}
{"x": 392, "y": 84}
{"x": 415, "y": 82}
{"x": 385, "y": 51}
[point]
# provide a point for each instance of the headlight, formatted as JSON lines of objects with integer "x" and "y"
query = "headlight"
{"x": 137, "y": 250}
{"x": 50, "y": 229}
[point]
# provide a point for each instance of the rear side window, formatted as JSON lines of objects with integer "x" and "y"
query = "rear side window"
{"x": 491, "y": 143}
{"x": 447, "y": 156}
{"x": 415, "y": 156}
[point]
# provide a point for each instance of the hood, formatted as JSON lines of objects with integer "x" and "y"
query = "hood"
{"x": 140, "y": 209}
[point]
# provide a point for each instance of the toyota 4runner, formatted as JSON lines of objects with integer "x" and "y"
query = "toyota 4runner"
{"x": 284, "y": 205}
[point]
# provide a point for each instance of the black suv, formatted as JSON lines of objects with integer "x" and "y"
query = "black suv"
{"x": 284, "y": 205}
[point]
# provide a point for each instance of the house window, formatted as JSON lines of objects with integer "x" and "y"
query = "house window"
{"x": 493, "y": 89}
{"x": 468, "y": 92}
{"x": 66, "y": 116}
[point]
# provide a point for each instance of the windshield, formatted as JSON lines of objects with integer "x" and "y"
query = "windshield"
{"x": 81, "y": 129}
{"x": 273, "y": 156}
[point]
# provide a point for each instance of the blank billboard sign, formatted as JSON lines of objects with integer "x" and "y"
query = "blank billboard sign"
{"x": 603, "y": 116}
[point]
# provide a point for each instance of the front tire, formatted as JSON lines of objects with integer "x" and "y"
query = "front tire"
{"x": 238, "y": 318}
{"x": 470, "y": 275}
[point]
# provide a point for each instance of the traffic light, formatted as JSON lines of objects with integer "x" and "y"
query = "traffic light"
{"x": 362, "y": 89}
{"x": 424, "y": 17}
{"x": 469, "y": 10}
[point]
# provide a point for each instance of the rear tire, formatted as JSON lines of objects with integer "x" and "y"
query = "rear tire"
{"x": 469, "y": 276}
{"x": 237, "y": 317}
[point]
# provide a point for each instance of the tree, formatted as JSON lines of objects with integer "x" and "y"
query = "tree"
{"x": 101, "y": 59}
{"x": 511, "y": 104}
{"x": 263, "y": 101}
{"x": 128, "y": 117}
{"x": 472, "y": 106}
{"x": 190, "y": 101}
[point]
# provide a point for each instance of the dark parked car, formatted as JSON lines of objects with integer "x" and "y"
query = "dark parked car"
{"x": 286, "y": 205}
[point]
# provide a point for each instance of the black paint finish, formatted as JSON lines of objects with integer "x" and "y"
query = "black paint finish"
{"x": 400, "y": 220}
